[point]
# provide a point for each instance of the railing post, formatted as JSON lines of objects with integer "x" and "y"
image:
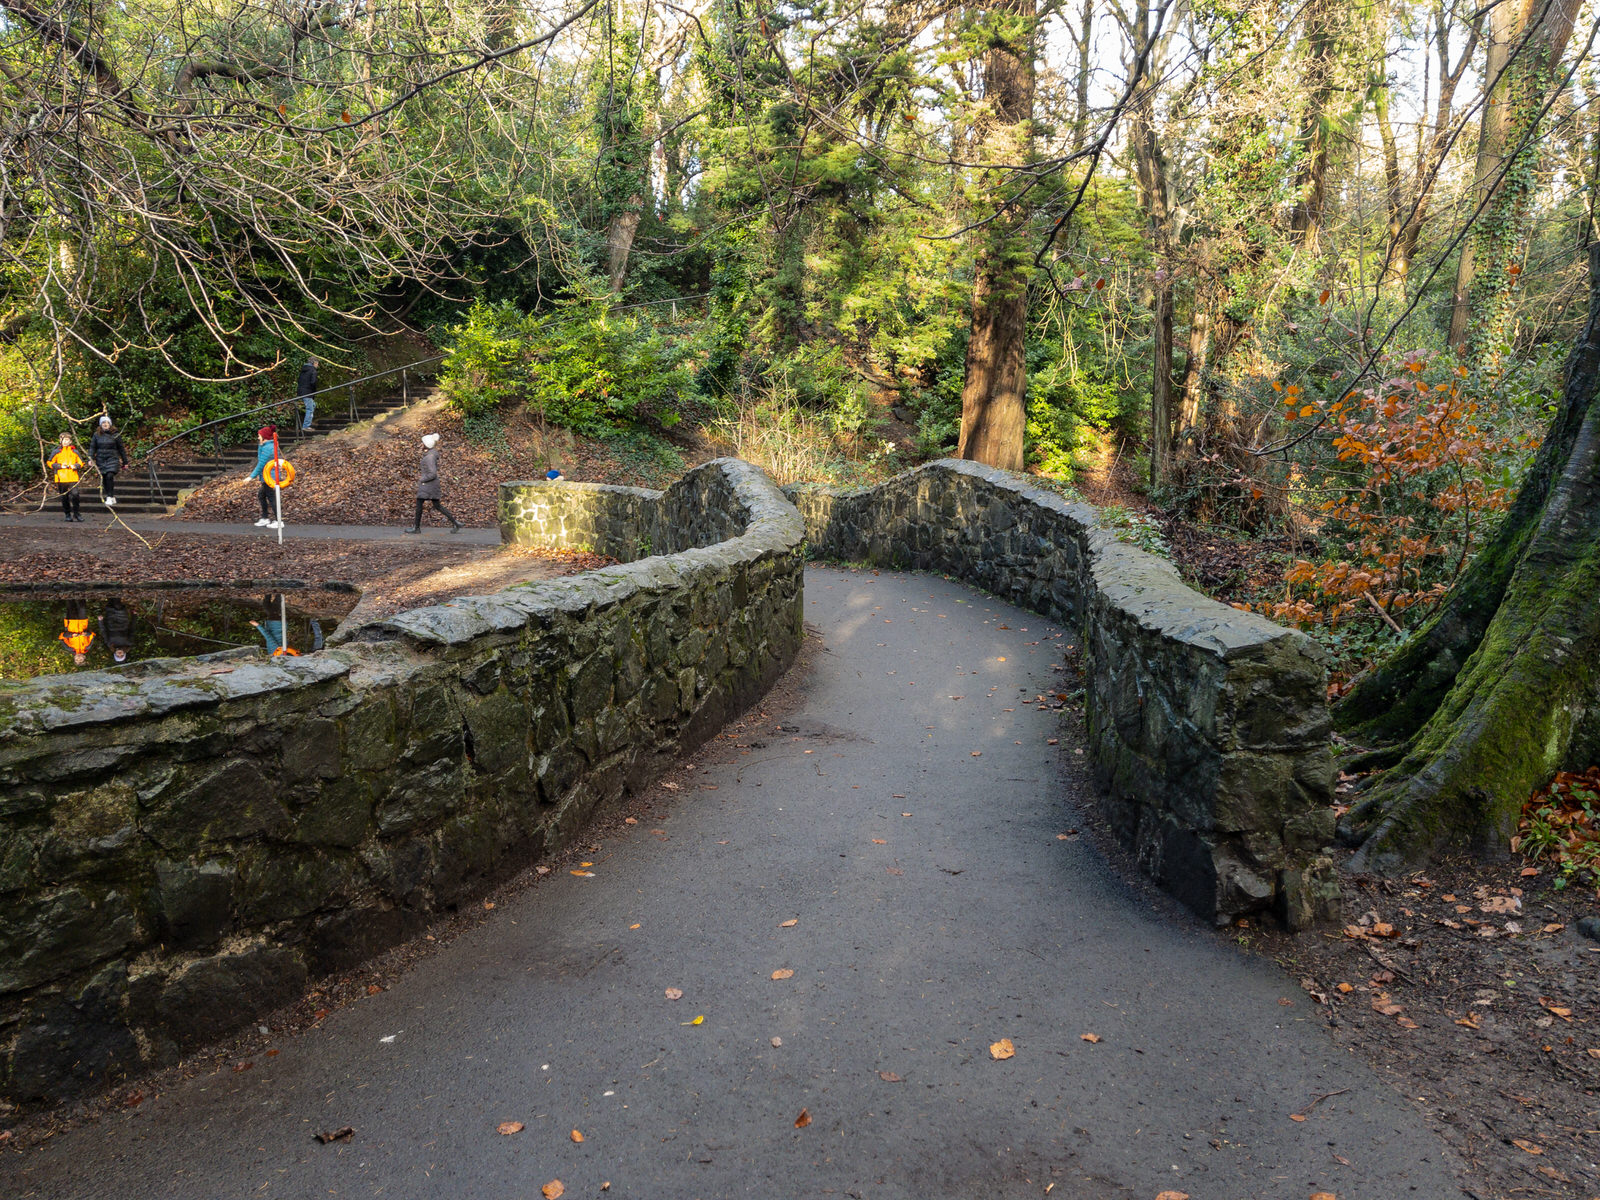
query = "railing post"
{"x": 352, "y": 404}
{"x": 155, "y": 487}
{"x": 405, "y": 388}
{"x": 216, "y": 444}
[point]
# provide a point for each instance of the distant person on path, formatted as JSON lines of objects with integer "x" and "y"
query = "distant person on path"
{"x": 266, "y": 449}
{"x": 109, "y": 457}
{"x": 116, "y": 629}
{"x": 75, "y": 634}
{"x": 66, "y": 470}
{"x": 428, "y": 486}
{"x": 306, "y": 385}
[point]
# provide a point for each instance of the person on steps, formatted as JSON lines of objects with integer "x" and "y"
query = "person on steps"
{"x": 304, "y": 387}
{"x": 109, "y": 457}
{"x": 266, "y": 450}
{"x": 116, "y": 629}
{"x": 270, "y": 627}
{"x": 75, "y": 633}
{"x": 66, "y": 469}
{"x": 428, "y": 486}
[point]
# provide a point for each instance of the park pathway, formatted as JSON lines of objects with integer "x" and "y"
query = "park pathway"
{"x": 890, "y": 834}
{"x": 99, "y": 522}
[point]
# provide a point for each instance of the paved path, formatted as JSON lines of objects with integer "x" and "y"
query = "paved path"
{"x": 100, "y": 521}
{"x": 920, "y": 939}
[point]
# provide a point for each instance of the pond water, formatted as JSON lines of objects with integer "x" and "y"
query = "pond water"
{"x": 44, "y": 633}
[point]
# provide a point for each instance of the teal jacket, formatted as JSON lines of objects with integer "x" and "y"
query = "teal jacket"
{"x": 263, "y": 457}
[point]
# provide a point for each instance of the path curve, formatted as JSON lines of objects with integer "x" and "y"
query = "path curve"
{"x": 918, "y": 941}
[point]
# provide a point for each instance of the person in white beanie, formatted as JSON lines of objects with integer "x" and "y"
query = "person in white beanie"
{"x": 428, "y": 486}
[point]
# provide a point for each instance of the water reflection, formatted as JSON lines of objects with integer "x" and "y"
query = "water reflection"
{"x": 47, "y": 634}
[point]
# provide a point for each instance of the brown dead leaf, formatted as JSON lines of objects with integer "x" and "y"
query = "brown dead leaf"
{"x": 1346, "y": 989}
{"x": 1092, "y": 1038}
{"x": 1529, "y": 872}
{"x": 373, "y": 989}
{"x": 1323, "y": 1196}
{"x": 879, "y": 842}
{"x": 630, "y": 820}
{"x": 1554, "y": 1009}
{"x": 1525, "y": 1144}
{"x": 343, "y": 1134}
{"x": 487, "y": 905}
{"x": 553, "y": 1190}
{"x": 1169, "y": 1195}
{"x": 506, "y": 1128}
{"x": 777, "y": 1041}
{"x": 584, "y": 874}
{"x": 1500, "y": 904}
{"x": 783, "y": 973}
{"x": 1297, "y": 1116}
{"x": 1552, "y": 1173}
{"x": 673, "y": 993}
{"x": 894, "y": 870}
{"x": 1593, "y": 1052}
{"x": 790, "y": 923}
{"x": 634, "y": 926}
{"x": 576, "y": 1136}
{"x": 1382, "y": 1005}
{"x": 889, "y": 1077}
{"x": 803, "y": 1119}
{"x": 977, "y": 754}
{"x": 1002, "y": 1049}
{"x": 1470, "y": 1021}
{"x": 1406, "y": 1023}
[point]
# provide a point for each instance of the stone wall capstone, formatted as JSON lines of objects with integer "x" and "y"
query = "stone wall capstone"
{"x": 1209, "y": 726}
{"x": 183, "y": 846}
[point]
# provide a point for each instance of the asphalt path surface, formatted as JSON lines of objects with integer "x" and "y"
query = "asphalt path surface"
{"x": 891, "y": 836}
{"x": 100, "y": 520}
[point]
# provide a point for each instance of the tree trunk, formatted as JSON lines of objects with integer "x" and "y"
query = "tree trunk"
{"x": 1526, "y": 41}
{"x": 1151, "y": 166}
{"x": 619, "y": 239}
{"x": 993, "y": 408}
{"x": 1502, "y": 687}
{"x": 1311, "y": 183}
{"x": 1194, "y": 367}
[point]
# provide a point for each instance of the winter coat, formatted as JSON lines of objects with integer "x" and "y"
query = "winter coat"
{"x": 116, "y": 626}
{"x": 307, "y": 382}
{"x": 66, "y": 466}
{"x": 263, "y": 457}
{"x": 428, "y": 477}
{"x": 106, "y": 450}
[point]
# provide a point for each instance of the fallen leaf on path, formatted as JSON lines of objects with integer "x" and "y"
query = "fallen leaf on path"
{"x": 584, "y": 874}
{"x": 372, "y": 990}
{"x": 343, "y": 1134}
{"x": 1552, "y": 1173}
{"x": 776, "y": 1042}
{"x": 1593, "y": 1052}
{"x": 1525, "y": 1144}
{"x": 1169, "y": 1195}
{"x": 1346, "y": 988}
{"x": 894, "y": 870}
{"x": 1470, "y": 1021}
{"x": 905, "y": 814}
{"x": 541, "y": 870}
{"x": 1092, "y": 1038}
{"x": 1554, "y": 1009}
{"x": 783, "y": 973}
{"x": 790, "y": 923}
{"x": 673, "y": 993}
{"x": 630, "y": 820}
{"x": 1002, "y": 1049}
{"x": 803, "y": 1119}
{"x": 505, "y": 1128}
{"x": 697, "y": 1021}
{"x": 879, "y": 842}
{"x": 1297, "y": 1116}
{"x": 889, "y": 1077}
{"x": 1406, "y": 1023}
{"x": 977, "y": 754}
{"x": 487, "y": 905}
{"x": 1500, "y": 904}
{"x": 634, "y": 926}
{"x": 553, "y": 1190}
{"x": 576, "y": 1136}
{"x": 1323, "y": 1196}
{"x": 1529, "y": 872}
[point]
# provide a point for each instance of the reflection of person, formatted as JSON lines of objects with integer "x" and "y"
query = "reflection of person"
{"x": 116, "y": 628}
{"x": 109, "y": 457}
{"x": 271, "y": 626}
{"x": 304, "y": 386}
{"x": 428, "y": 486}
{"x": 266, "y": 449}
{"x": 66, "y": 469}
{"x": 75, "y": 632}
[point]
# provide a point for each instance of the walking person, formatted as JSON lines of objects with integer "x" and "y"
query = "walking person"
{"x": 266, "y": 451}
{"x": 428, "y": 486}
{"x": 304, "y": 387}
{"x": 116, "y": 628}
{"x": 109, "y": 457}
{"x": 66, "y": 470}
{"x": 75, "y": 633}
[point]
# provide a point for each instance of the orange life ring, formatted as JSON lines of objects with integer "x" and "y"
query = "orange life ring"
{"x": 278, "y": 473}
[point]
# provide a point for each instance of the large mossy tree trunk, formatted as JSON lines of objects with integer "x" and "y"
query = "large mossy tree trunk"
{"x": 1501, "y": 688}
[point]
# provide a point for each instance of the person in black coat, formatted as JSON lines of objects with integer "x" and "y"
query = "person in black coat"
{"x": 304, "y": 386}
{"x": 109, "y": 456}
{"x": 428, "y": 486}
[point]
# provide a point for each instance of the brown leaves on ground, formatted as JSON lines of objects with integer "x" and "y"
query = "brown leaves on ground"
{"x": 1171, "y": 1195}
{"x": 576, "y": 1136}
{"x": 506, "y": 1128}
{"x": 803, "y": 1119}
{"x": 891, "y": 1077}
{"x": 553, "y": 1190}
{"x": 343, "y": 1134}
{"x": 789, "y": 924}
{"x": 1091, "y": 1038}
{"x": 674, "y": 993}
{"x": 783, "y": 973}
{"x": 1001, "y": 1050}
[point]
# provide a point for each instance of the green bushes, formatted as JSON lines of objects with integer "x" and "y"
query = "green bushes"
{"x": 585, "y": 367}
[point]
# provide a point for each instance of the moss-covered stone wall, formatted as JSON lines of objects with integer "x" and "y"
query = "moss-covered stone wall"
{"x": 184, "y": 845}
{"x": 1209, "y": 726}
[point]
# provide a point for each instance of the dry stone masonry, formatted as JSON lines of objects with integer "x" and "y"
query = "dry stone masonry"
{"x": 184, "y": 843}
{"x": 1209, "y": 726}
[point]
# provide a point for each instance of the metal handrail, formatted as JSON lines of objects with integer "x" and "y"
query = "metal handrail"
{"x": 216, "y": 425}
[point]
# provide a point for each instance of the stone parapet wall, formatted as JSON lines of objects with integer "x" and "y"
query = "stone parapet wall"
{"x": 1209, "y": 726}
{"x": 184, "y": 845}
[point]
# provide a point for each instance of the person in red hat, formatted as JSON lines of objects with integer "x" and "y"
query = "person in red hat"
{"x": 266, "y": 451}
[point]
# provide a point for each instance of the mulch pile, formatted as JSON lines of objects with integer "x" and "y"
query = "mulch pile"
{"x": 1470, "y": 987}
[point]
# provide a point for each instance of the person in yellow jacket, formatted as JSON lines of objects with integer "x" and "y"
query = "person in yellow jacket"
{"x": 76, "y": 634}
{"x": 66, "y": 469}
